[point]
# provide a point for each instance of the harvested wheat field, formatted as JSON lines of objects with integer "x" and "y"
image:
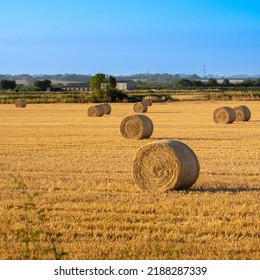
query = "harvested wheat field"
{"x": 82, "y": 169}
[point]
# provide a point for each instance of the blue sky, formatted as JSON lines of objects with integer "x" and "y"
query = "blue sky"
{"x": 131, "y": 36}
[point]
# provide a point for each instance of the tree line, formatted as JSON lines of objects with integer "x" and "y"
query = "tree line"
{"x": 197, "y": 84}
{"x": 104, "y": 87}
{"x": 39, "y": 85}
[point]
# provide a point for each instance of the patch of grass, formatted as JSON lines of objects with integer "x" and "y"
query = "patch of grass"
{"x": 38, "y": 241}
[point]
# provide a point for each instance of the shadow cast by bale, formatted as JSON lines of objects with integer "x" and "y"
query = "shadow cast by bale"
{"x": 223, "y": 190}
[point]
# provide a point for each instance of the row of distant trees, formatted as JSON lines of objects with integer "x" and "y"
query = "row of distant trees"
{"x": 211, "y": 82}
{"x": 104, "y": 87}
{"x": 41, "y": 85}
{"x": 194, "y": 84}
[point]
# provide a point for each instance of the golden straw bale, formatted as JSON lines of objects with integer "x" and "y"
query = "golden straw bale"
{"x": 95, "y": 111}
{"x": 107, "y": 108}
{"x": 248, "y": 112}
{"x": 136, "y": 127}
{"x": 140, "y": 107}
{"x": 20, "y": 103}
{"x": 243, "y": 113}
{"x": 148, "y": 101}
{"x": 224, "y": 115}
{"x": 165, "y": 165}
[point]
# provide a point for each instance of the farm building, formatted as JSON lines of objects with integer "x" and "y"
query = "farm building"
{"x": 125, "y": 85}
{"x": 76, "y": 87}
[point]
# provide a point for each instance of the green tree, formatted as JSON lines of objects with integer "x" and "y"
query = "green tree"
{"x": 212, "y": 82}
{"x": 197, "y": 83}
{"x": 97, "y": 81}
{"x": 42, "y": 85}
{"x": 247, "y": 83}
{"x": 226, "y": 83}
{"x": 111, "y": 81}
{"x": 111, "y": 91}
{"x": 257, "y": 82}
{"x": 97, "y": 85}
{"x": 7, "y": 84}
{"x": 183, "y": 83}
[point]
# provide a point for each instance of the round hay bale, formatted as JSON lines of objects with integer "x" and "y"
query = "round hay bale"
{"x": 20, "y": 103}
{"x": 136, "y": 127}
{"x": 148, "y": 101}
{"x": 243, "y": 113}
{"x": 248, "y": 112}
{"x": 224, "y": 115}
{"x": 165, "y": 165}
{"x": 107, "y": 108}
{"x": 140, "y": 107}
{"x": 95, "y": 111}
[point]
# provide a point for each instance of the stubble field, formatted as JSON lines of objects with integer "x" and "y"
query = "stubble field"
{"x": 82, "y": 166}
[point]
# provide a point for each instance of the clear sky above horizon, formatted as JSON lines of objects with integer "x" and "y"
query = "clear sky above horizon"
{"x": 128, "y": 37}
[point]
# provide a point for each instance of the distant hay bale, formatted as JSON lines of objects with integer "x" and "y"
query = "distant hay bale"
{"x": 136, "y": 127}
{"x": 140, "y": 107}
{"x": 20, "y": 103}
{"x": 248, "y": 112}
{"x": 243, "y": 113}
{"x": 148, "y": 101}
{"x": 107, "y": 108}
{"x": 95, "y": 111}
{"x": 224, "y": 115}
{"x": 165, "y": 165}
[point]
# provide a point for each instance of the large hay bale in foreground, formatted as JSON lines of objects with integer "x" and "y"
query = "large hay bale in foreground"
{"x": 107, "y": 108}
{"x": 224, "y": 115}
{"x": 20, "y": 103}
{"x": 95, "y": 111}
{"x": 243, "y": 113}
{"x": 140, "y": 107}
{"x": 165, "y": 165}
{"x": 148, "y": 101}
{"x": 136, "y": 127}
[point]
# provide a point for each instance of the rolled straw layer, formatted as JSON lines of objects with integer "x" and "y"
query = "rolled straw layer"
{"x": 140, "y": 107}
{"x": 95, "y": 111}
{"x": 224, "y": 115}
{"x": 107, "y": 108}
{"x": 165, "y": 165}
{"x": 148, "y": 101}
{"x": 20, "y": 103}
{"x": 136, "y": 127}
{"x": 243, "y": 113}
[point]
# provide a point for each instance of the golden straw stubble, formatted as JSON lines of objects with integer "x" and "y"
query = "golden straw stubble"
{"x": 140, "y": 107}
{"x": 224, "y": 115}
{"x": 165, "y": 165}
{"x": 95, "y": 111}
{"x": 243, "y": 113}
{"x": 136, "y": 127}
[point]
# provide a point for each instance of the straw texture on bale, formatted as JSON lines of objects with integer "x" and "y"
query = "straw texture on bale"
{"x": 136, "y": 127}
{"x": 140, "y": 107}
{"x": 20, "y": 103}
{"x": 224, "y": 115}
{"x": 243, "y": 113}
{"x": 95, "y": 111}
{"x": 107, "y": 108}
{"x": 165, "y": 165}
{"x": 148, "y": 101}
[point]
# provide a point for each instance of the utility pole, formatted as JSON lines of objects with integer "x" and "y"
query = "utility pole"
{"x": 204, "y": 71}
